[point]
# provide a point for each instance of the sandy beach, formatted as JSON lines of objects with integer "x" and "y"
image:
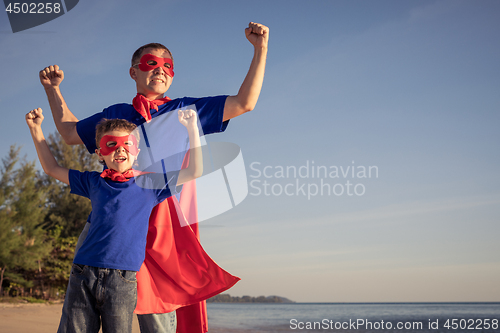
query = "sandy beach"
{"x": 28, "y": 318}
{"x": 44, "y": 318}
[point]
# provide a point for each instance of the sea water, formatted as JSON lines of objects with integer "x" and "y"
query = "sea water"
{"x": 356, "y": 317}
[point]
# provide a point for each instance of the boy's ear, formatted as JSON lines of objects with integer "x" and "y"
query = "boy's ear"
{"x": 98, "y": 152}
{"x": 132, "y": 73}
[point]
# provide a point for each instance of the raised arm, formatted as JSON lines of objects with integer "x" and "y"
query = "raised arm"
{"x": 51, "y": 77}
{"x": 194, "y": 170}
{"x": 246, "y": 99}
{"x": 34, "y": 120}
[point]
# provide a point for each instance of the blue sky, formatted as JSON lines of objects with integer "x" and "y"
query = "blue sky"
{"x": 408, "y": 87}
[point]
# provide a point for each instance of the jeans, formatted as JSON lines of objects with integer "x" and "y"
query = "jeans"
{"x": 158, "y": 322}
{"x": 99, "y": 296}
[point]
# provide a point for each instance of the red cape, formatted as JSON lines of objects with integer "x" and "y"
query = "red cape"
{"x": 177, "y": 273}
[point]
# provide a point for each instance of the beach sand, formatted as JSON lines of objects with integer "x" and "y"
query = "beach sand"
{"x": 39, "y": 318}
{"x": 44, "y": 318}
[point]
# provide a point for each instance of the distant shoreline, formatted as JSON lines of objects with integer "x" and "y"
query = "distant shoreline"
{"x": 17, "y": 302}
{"x": 226, "y": 298}
{"x": 370, "y": 303}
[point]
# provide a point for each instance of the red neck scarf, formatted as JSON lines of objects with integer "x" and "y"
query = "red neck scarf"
{"x": 119, "y": 177}
{"x": 143, "y": 105}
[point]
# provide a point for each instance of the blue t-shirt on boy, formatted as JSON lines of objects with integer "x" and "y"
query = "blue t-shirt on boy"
{"x": 120, "y": 216}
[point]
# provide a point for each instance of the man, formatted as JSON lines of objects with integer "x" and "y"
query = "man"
{"x": 152, "y": 70}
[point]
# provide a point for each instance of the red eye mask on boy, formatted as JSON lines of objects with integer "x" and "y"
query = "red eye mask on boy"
{"x": 149, "y": 62}
{"x": 128, "y": 142}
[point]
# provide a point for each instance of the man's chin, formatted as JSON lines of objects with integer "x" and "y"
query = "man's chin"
{"x": 157, "y": 91}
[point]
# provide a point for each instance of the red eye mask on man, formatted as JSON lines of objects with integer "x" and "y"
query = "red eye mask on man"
{"x": 149, "y": 62}
{"x": 110, "y": 143}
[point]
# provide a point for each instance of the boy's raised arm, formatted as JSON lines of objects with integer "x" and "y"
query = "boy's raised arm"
{"x": 51, "y": 77}
{"x": 194, "y": 170}
{"x": 34, "y": 120}
{"x": 246, "y": 99}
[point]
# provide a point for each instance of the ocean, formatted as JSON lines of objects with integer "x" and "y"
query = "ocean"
{"x": 355, "y": 317}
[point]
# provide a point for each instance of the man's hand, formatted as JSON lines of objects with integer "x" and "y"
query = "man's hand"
{"x": 34, "y": 118}
{"x": 51, "y": 76}
{"x": 257, "y": 34}
{"x": 249, "y": 92}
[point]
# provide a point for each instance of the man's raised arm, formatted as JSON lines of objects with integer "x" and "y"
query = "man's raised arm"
{"x": 51, "y": 77}
{"x": 249, "y": 92}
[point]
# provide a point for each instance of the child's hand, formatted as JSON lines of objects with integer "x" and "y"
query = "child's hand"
{"x": 34, "y": 118}
{"x": 188, "y": 118}
{"x": 51, "y": 76}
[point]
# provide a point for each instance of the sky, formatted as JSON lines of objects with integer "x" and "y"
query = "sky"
{"x": 403, "y": 93}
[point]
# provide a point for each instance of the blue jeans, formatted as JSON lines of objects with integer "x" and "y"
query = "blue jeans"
{"x": 158, "y": 322}
{"x": 98, "y": 296}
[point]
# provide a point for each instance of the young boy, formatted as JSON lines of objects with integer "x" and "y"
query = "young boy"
{"x": 102, "y": 285}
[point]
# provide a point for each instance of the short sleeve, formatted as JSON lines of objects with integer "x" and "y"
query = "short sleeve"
{"x": 211, "y": 113}
{"x": 79, "y": 182}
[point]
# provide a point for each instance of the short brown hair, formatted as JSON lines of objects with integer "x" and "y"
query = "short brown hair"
{"x": 137, "y": 54}
{"x": 108, "y": 125}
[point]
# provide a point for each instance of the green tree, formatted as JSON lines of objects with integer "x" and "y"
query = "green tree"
{"x": 9, "y": 237}
{"x": 39, "y": 218}
{"x": 57, "y": 265}
{"x": 22, "y": 213}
